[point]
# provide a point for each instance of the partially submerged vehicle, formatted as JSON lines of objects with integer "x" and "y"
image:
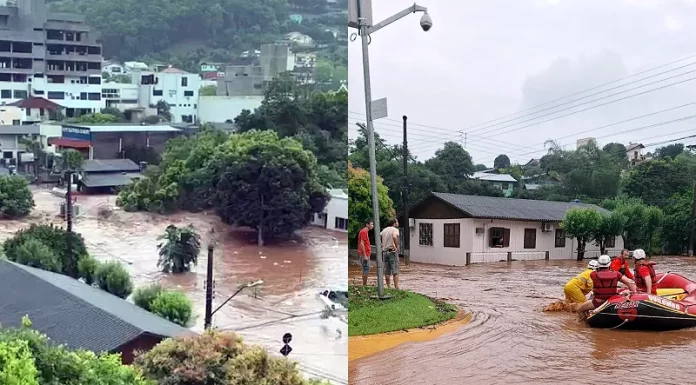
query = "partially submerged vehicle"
{"x": 674, "y": 307}
{"x": 335, "y": 302}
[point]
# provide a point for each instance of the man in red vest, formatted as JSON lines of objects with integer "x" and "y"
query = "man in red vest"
{"x": 645, "y": 273}
{"x": 620, "y": 264}
{"x": 605, "y": 284}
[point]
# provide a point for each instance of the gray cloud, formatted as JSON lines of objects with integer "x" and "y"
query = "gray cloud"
{"x": 485, "y": 60}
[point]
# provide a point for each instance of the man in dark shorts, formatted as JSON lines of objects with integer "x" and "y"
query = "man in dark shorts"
{"x": 390, "y": 244}
{"x": 364, "y": 250}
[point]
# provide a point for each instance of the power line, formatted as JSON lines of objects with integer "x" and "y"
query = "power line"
{"x": 588, "y": 108}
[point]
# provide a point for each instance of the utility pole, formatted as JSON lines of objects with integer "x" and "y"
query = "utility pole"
{"x": 692, "y": 222}
{"x": 69, "y": 215}
{"x": 209, "y": 290}
{"x": 363, "y": 28}
{"x": 404, "y": 197}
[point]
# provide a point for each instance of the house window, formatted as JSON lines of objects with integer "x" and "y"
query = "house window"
{"x": 451, "y": 234}
{"x": 341, "y": 223}
{"x": 94, "y": 96}
{"x": 16, "y": 122}
{"x": 188, "y": 93}
{"x": 425, "y": 234}
{"x": 184, "y": 81}
{"x": 156, "y": 92}
{"x": 560, "y": 238}
{"x": 94, "y": 80}
{"x": 610, "y": 242}
{"x": 499, "y": 237}
{"x": 83, "y": 96}
{"x": 530, "y": 238}
{"x": 6, "y": 94}
{"x": 20, "y": 94}
{"x": 55, "y": 95}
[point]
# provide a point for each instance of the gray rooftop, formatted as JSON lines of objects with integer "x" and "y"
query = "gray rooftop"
{"x": 109, "y": 180}
{"x": 73, "y": 313}
{"x": 126, "y": 127}
{"x": 509, "y": 208}
{"x": 13, "y": 129}
{"x": 110, "y": 165}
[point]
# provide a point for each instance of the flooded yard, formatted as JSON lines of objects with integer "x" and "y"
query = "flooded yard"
{"x": 293, "y": 273}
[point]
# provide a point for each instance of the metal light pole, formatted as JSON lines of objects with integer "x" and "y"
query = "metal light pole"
{"x": 365, "y": 30}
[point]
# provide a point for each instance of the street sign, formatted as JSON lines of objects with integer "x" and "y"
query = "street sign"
{"x": 379, "y": 109}
{"x": 365, "y": 11}
{"x": 285, "y": 350}
{"x": 287, "y": 337}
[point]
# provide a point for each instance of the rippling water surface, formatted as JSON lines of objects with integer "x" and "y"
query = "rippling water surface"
{"x": 511, "y": 341}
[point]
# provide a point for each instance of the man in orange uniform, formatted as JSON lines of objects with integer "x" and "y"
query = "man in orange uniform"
{"x": 620, "y": 264}
{"x": 645, "y": 273}
{"x": 364, "y": 249}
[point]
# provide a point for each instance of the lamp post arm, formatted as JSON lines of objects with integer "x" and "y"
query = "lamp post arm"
{"x": 412, "y": 9}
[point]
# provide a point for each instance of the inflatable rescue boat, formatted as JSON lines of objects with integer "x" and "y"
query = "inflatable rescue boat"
{"x": 674, "y": 307}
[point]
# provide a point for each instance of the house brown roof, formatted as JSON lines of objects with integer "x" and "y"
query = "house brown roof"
{"x": 36, "y": 102}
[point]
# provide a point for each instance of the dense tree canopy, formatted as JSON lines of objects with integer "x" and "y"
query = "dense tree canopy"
{"x": 501, "y": 161}
{"x": 360, "y": 201}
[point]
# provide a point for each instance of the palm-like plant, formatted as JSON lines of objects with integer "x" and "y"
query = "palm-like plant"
{"x": 179, "y": 249}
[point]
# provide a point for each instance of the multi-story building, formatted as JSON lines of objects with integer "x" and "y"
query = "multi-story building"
{"x": 125, "y": 97}
{"x": 50, "y": 55}
{"x": 178, "y": 88}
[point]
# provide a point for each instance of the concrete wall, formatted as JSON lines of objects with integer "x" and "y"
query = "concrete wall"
{"x": 479, "y": 245}
{"x": 218, "y": 109}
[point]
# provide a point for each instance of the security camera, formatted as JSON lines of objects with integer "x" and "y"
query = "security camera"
{"x": 426, "y": 22}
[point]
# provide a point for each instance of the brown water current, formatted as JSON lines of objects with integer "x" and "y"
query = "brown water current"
{"x": 293, "y": 273}
{"x": 511, "y": 341}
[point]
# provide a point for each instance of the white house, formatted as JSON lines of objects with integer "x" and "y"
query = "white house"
{"x": 178, "y": 88}
{"x": 450, "y": 229}
{"x": 113, "y": 67}
{"x": 634, "y": 151}
{"x": 300, "y": 39}
{"x": 122, "y": 96}
{"x": 12, "y": 115}
{"x": 335, "y": 215}
{"x": 505, "y": 182}
{"x": 131, "y": 66}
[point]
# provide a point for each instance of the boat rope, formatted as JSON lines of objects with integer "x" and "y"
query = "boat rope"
{"x": 619, "y": 325}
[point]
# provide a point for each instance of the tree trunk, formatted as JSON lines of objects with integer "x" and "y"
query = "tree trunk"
{"x": 581, "y": 249}
{"x": 259, "y": 232}
{"x": 602, "y": 247}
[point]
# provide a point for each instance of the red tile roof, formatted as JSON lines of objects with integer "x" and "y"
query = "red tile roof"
{"x": 172, "y": 70}
{"x": 36, "y": 102}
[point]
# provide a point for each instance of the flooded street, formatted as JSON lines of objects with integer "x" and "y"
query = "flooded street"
{"x": 511, "y": 341}
{"x": 293, "y": 274}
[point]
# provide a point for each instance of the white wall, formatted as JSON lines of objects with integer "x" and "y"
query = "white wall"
{"x": 478, "y": 245}
{"x": 72, "y": 92}
{"x": 173, "y": 93}
{"x": 12, "y": 115}
{"x": 337, "y": 207}
{"x": 218, "y": 109}
{"x": 50, "y": 131}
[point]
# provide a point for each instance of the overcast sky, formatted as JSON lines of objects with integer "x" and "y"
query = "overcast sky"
{"x": 484, "y": 60}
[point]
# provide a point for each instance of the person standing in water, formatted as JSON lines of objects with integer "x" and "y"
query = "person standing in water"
{"x": 605, "y": 282}
{"x": 579, "y": 286}
{"x": 390, "y": 244}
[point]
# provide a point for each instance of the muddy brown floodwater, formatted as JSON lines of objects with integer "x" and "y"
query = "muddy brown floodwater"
{"x": 511, "y": 341}
{"x": 293, "y": 273}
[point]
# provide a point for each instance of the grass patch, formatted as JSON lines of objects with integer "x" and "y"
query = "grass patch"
{"x": 404, "y": 310}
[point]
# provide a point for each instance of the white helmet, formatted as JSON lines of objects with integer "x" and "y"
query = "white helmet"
{"x": 604, "y": 261}
{"x": 639, "y": 254}
{"x": 594, "y": 265}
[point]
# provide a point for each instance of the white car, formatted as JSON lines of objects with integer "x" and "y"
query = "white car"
{"x": 334, "y": 300}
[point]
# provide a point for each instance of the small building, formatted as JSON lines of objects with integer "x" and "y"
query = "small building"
{"x": 178, "y": 88}
{"x": 113, "y": 68}
{"x": 10, "y": 141}
{"x": 107, "y": 141}
{"x": 106, "y": 175}
{"x": 73, "y": 313}
{"x": 220, "y": 109}
{"x": 445, "y": 228}
{"x": 504, "y": 182}
{"x": 335, "y": 214}
{"x": 12, "y": 115}
{"x": 584, "y": 142}
{"x": 38, "y": 109}
{"x": 634, "y": 151}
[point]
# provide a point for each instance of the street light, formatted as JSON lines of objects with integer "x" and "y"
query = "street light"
{"x": 365, "y": 30}
{"x": 209, "y": 317}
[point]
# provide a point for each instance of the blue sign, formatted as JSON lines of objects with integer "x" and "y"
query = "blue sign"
{"x": 77, "y": 133}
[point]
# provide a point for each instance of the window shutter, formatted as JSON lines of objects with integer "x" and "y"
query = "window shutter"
{"x": 506, "y": 237}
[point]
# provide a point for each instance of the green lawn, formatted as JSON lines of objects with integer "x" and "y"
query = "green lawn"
{"x": 404, "y": 310}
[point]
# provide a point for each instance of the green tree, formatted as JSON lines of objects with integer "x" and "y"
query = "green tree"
{"x": 16, "y": 200}
{"x": 501, "y": 161}
{"x": 268, "y": 184}
{"x": 669, "y": 151}
{"x": 656, "y": 180}
{"x": 453, "y": 164}
{"x": 163, "y": 110}
{"x": 34, "y": 146}
{"x": 72, "y": 160}
{"x": 35, "y": 254}
{"x": 144, "y": 296}
{"x": 186, "y": 360}
{"x": 87, "y": 267}
{"x": 638, "y": 225}
{"x": 16, "y": 364}
{"x": 581, "y": 224}
{"x": 173, "y": 306}
{"x": 677, "y": 226}
{"x": 95, "y": 118}
{"x": 112, "y": 277}
{"x": 178, "y": 249}
{"x": 360, "y": 201}
{"x": 609, "y": 227}
{"x": 55, "y": 238}
{"x": 616, "y": 153}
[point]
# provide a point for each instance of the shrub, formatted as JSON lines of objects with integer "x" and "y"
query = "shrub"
{"x": 86, "y": 268}
{"x": 173, "y": 306}
{"x": 16, "y": 199}
{"x": 113, "y": 278}
{"x": 16, "y": 364}
{"x": 144, "y": 296}
{"x": 35, "y": 254}
{"x": 179, "y": 249}
{"x": 55, "y": 238}
{"x": 215, "y": 358}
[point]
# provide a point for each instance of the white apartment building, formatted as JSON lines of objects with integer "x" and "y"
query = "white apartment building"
{"x": 179, "y": 89}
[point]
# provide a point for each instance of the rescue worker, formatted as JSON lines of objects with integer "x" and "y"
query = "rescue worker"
{"x": 620, "y": 264}
{"x": 645, "y": 273}
{"x": 605, "y": 284}
{"x": 579, "y": 286}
